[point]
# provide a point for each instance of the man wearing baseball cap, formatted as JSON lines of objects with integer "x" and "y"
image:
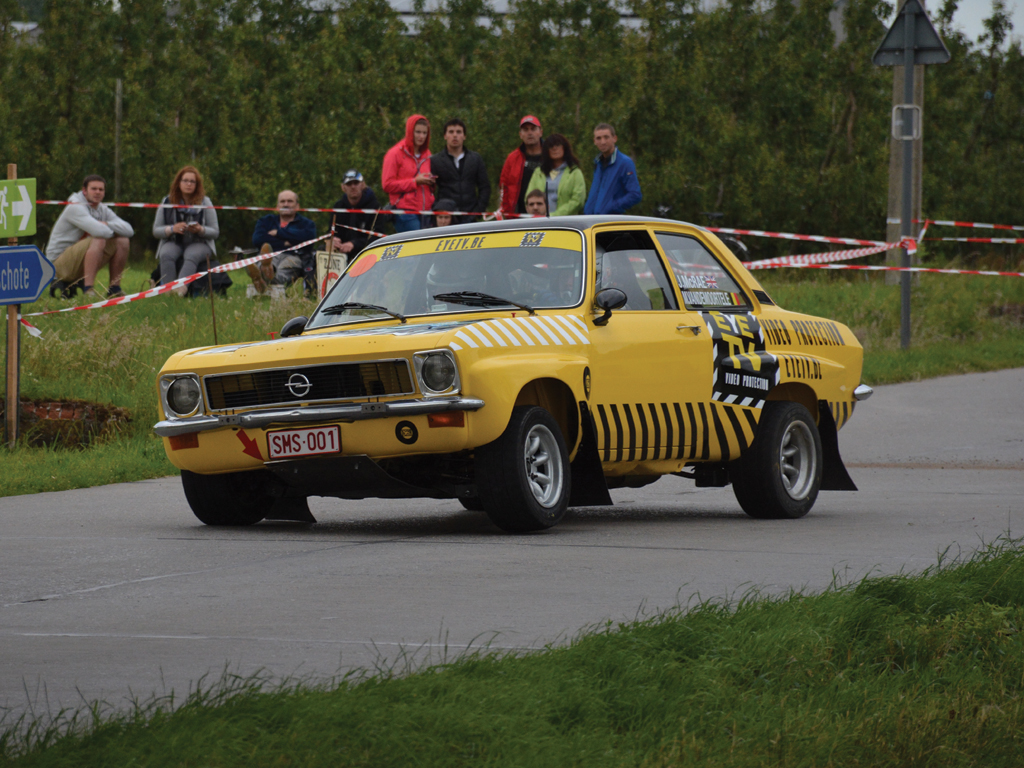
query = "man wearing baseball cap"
{"x": 357, "y": 195}
{"x": 520, "y": 165}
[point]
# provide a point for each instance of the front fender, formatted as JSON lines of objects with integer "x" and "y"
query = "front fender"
{"x": 498, "y": 379}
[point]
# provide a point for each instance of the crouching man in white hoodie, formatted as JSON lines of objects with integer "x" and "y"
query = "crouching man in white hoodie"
{"x": 88, "y": 235}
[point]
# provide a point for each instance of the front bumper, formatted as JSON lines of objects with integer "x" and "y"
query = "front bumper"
{"x": 356, "y": 412}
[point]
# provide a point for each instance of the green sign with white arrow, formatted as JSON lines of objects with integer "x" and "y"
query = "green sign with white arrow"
{"x": 18, "y": 208}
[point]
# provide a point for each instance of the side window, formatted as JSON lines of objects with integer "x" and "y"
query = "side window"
{"x": 704, "y": 283}
{"x": 630, "y": 262}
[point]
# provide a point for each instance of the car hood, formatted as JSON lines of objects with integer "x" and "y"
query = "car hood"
{"x": 363, "y": 343}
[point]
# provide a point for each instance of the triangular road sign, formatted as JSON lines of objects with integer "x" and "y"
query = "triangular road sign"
{"x": 928, "y": 46}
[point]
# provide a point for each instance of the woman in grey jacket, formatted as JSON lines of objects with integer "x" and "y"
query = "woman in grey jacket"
{"x": 186, "y": 235}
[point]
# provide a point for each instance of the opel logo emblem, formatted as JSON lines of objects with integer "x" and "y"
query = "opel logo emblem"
{"x": 298, "y": 385}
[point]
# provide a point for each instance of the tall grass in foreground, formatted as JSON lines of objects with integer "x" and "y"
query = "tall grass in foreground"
{"x": 111, "y": 356}
{"x": 897, "y": 671}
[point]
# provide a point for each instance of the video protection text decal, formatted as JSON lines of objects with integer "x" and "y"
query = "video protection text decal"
{"x": 743, "y": 371}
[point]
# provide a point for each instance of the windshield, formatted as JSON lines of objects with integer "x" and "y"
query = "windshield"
{"x": 443, "y": 275}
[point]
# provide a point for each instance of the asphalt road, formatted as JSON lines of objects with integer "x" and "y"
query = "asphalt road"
{"x": 117, "y": 592}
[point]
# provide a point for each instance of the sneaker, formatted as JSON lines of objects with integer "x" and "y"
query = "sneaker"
{"x": 277, "y": 292}
{"x": 89, "y": 293}
{"x": 114, "y": 292}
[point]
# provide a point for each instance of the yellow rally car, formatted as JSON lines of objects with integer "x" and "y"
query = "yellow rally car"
{"x": 521, "y": 367}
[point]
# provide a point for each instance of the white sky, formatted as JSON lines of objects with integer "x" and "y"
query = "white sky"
{"x": 969, "y": 14}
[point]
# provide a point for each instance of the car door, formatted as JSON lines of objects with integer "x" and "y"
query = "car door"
{"x": 651, "y": 363}
{"x": 740, "y": 372}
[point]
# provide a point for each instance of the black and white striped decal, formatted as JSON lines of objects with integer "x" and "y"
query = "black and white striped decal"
{"x": 531, "y": 331}
{"x": 690, "y": 431}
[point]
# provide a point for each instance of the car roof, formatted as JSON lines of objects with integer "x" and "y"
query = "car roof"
{"x": 581, "y": 223}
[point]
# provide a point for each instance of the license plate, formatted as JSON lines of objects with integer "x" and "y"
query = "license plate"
{"x": 290, "y": 443}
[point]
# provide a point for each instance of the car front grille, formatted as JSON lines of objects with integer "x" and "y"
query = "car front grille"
{"x": 343, "y": 381}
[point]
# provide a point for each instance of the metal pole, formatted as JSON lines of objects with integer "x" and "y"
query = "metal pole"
{"x": 906, "y": 216}
{"x": 13, "y": 351}
{"x": 213, "y": 309}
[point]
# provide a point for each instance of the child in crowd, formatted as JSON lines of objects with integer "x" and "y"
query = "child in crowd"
{"x": 442, "y": 212}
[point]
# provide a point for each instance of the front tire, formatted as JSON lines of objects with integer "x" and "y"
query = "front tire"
{"x": 224, "y": 499}
{"x": 523, "y": 477}
{"x": 779, "y": 477}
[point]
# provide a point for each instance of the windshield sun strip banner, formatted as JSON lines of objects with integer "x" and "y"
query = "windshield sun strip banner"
{"x": 563, "y": 239}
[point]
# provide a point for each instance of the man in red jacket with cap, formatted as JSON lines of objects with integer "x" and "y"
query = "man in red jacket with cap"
{"x": 520, "y": 165}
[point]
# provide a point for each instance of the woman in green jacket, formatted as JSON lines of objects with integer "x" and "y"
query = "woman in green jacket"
{"x": 560, "y": 178}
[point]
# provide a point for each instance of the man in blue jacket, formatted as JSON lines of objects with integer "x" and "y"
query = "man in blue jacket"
{"x": 277, "y": 231}
{"x": 615, "y": 187}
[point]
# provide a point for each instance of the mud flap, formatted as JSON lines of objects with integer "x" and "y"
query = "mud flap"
{"x": 291, "y": 508}
{"x": 834, "y": 476}
{"x": 589, "y": 488}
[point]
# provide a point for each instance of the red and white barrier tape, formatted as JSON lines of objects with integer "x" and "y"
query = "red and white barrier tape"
{"x": 871, "y": 268}
{"x": 380, "y": 211}
{"x": 828, "y": 256}
{"x": 32, "y": 330}
{"x": 364, "y": 231}
{"x": 974, "y": 224}
{"x": 977, "y": 239}
{"x": 162, "y": 289}
{"x": 814, "y": 258}
{"x": 805, "y": 238}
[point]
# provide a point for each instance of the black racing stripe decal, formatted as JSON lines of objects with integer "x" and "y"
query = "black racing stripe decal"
{"x": 752, "y": 421}
{"x": 607, "y": 433}
{"x": 632, "y": 431}
{"x": 839, "y": 336}
{"x": 705, "y": 452}
{"x": 723, "y": 441}
{"x": 693, "y": 433}
{"x": 657, "y": 430}
{"x": 740, "y": 437}
{"x": 682, "y": 430}
{"x": 668, "y": 431}
{"x": 618, "y": 432}
{"x": 644, "y": 435}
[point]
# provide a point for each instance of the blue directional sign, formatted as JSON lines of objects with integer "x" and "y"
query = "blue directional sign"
{"x": 24, "y": 273}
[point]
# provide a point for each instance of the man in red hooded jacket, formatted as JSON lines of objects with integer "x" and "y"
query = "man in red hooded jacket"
{"x": 406, "y": 174}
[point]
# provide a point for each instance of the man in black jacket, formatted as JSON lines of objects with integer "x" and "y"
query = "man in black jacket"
{"x": 460, "y": 173}
{"x": 357, "y": 195}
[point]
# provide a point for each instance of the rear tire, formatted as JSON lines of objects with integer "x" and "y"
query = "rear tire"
{"x": 779, "y": 477}
{"x": 225, "y": 499}
{"x": 523, "y": 477}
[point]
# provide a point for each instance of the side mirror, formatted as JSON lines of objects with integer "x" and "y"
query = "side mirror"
{"x": 609, "y": 299}
{"x": 294, "y": 327}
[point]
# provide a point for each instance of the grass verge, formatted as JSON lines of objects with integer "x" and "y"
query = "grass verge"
{"x": 111, "y": 356}
{"x": 894, "y": 671}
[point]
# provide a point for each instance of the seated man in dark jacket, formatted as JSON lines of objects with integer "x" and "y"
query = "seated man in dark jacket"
{"x": 277, "y": 231}
{"x": 461, "y": 175}
{"x": 357, "y": 195}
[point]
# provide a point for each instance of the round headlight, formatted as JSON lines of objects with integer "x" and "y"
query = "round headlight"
{"x": 183, "y": 396}
{"x": 438, "y": 372}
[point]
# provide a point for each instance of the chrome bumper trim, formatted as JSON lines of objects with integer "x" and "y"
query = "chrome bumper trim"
{"x": 862, "y": 392}
{"x": 259, "y": 419}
